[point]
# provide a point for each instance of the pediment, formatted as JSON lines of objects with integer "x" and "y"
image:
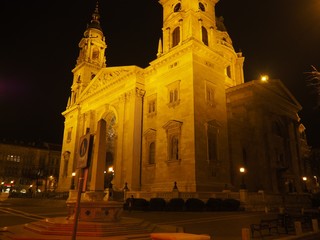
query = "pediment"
{"x": 278, "y": 88}
{"x": 172, "y": 124}
{"x": 106, "y": 78}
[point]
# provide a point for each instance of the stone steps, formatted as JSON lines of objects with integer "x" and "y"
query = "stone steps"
{"x": 124, "y": 227}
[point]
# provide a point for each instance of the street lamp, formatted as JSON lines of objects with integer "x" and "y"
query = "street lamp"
{"x": 304, "y": 178}
{"x": 242, "y": 171}
{"x": 72, "y": 187}
{"x": 264, "y": 78}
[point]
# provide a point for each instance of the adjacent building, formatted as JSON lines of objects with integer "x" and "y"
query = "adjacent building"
{"x": 29, "y": 166}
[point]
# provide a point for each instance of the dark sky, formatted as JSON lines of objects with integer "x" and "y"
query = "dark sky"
{"x": 39, "y": 47}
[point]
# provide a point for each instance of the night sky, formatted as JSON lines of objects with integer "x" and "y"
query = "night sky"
{"x": 39, "y": 47}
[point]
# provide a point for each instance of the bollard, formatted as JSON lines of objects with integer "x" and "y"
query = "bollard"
{"x": 315, "y": 225}
{"x": 298, "y": 228}
{"x": 245, "y": 234}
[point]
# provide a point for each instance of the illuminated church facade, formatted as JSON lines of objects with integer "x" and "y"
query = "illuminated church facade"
{"x": 188, "y": 117}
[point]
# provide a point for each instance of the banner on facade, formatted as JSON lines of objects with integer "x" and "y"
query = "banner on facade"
{"x": 84, "y": 149}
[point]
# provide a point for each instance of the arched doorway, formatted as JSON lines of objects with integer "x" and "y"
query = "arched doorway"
{"x": 111, "y": 148}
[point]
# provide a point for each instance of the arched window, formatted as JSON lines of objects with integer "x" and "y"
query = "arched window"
{"x": 228, "y": 71}
{"x": 95, "y": 54}
{"x": 152, "y": 151}
{"x": 205, "y": 36}
{"x": 176, "y": 36}
{"x": 202, "y": 7}
{"x": 177, "y": 7}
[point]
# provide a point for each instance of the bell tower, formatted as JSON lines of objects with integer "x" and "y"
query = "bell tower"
{"x": 91, "y": 56}
{"x": 184, "y": 20}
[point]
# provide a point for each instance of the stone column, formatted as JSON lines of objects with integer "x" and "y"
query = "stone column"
{"x": 99, "y": 158}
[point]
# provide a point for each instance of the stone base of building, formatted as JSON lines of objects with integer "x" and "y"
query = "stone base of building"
{"x": 94, "y": 207}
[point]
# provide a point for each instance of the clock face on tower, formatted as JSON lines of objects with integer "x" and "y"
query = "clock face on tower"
{"x": 84, "y": 147}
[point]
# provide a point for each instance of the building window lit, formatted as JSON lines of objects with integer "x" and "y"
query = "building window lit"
{"x": 176, "y": 36}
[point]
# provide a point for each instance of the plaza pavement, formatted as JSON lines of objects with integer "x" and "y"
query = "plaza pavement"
{"x": 219, "y": 225}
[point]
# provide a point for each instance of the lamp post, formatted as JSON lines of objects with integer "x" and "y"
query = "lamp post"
{"x": 304, "y": 178}
{"x": 11, "y": 185}
{"x": 72, "y": 187}
{"x": 242, "y": 171}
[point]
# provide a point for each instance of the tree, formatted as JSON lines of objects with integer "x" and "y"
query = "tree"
{"x": 313, "y": 81}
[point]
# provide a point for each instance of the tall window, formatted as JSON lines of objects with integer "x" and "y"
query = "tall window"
{"x": 150, "y": 143}
{"x": 173, "y": 130}
{"x": 210, "y": 94}
{"x": 69, "y": 134}
{"x": 174, "y": 148}
{"x": 152, "y": 105}
{"x": 228, "y": 71}
{"x": 95, "y": 53}
{"x": 176, "y": 36}
{"x": 205, "y": 36}
{"x": 173, "y": 93}
{"x": 212, "y": 141}
{"x": 152, "y": 152}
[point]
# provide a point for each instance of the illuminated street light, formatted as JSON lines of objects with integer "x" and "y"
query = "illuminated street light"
{"x": 242, "y": 171}
{"x": 264, "y": 78}
{"x": 304, "y": 178}
{"x": 72, "y": 187}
